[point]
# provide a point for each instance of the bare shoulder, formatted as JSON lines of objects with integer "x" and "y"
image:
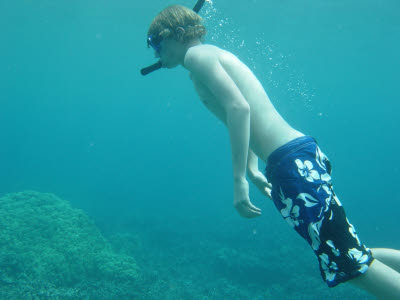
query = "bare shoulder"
{"x": 208, "y": 58}
{"x": 201, "y": 58}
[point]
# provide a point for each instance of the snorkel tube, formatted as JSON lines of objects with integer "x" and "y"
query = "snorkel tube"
{"x": 158, "y": 65}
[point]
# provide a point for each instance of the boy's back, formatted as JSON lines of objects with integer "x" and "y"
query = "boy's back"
{"x": 206, "y": 63}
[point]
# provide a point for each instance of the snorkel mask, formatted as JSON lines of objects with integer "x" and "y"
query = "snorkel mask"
{"x": 156, "y": 44}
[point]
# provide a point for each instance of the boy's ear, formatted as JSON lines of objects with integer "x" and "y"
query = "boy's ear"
{"x": 164, "y": 33}
{"x": 180, "y": 32}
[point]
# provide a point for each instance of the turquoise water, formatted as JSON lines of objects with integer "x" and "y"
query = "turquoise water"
{"x": 141, "y": 155}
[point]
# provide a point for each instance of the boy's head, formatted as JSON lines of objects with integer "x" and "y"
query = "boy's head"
{"x": 175, "y": 22}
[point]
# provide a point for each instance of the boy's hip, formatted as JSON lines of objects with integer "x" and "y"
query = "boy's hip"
{"x": 295, "y": 159}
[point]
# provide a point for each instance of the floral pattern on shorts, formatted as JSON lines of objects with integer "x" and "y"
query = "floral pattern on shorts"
{"x": 303, "y": 194}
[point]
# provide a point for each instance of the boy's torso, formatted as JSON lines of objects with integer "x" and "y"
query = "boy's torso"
{"x": 268, "y": 130}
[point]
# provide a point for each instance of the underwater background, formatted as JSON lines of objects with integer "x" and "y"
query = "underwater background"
{"x": 119, "y": 186}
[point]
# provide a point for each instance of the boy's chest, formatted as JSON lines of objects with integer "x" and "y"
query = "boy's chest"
{"x": 208, "y": 99}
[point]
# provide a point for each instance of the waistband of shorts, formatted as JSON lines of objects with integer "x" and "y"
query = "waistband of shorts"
{"x": 277, "y": 155}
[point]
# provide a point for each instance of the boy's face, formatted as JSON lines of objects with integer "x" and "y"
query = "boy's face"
{"x": 170, "y": 53}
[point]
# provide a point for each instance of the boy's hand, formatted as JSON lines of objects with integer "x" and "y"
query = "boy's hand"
{"x": 241, "y": 200}
{"x": 261, "y": 183}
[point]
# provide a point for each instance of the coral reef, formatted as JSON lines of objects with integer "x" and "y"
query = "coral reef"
{"x": 49, "y": 250}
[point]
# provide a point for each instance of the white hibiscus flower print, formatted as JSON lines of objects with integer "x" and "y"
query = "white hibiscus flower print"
{"x": 320, "y": 157}
{"x": 325, "y": 188}
{"x": 293, "y": 218}
{"x": 306, "y": 170}
{"x": 309, "y": 201}
{"x": 325, "y": 185}
{"x": 357, "y": 255}
{"x": 326, "y": 177}
{"x": 313, "y": 231}
{"x": 361, "y": 259}
{"x": 290, "y": 213}
{"x": 334, "y": 249}
{"x": 327, "y": 202}
{"x": 353, "y": 232}
{"x": 329, "y": 267}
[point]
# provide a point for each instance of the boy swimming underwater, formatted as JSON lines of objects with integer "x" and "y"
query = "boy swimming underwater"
{"x": 299, "y": 173}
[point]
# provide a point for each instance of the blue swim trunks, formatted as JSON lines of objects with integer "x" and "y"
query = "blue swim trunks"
{"x": 302, "y": 191}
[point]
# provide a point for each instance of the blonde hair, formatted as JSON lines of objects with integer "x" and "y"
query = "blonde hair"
{"x": 165, "y": 24}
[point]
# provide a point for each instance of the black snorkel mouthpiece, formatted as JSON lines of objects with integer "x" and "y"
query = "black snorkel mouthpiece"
{"x": 158, "y": 65}
{"x": 151, "y": 68}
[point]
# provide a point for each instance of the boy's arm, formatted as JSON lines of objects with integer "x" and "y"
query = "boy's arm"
{"x": 252, "y": 164}
{"x": 209, "y": 71}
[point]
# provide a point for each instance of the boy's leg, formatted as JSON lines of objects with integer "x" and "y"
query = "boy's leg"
{"x": 389, "y": 257}
{"x": 380, "y": 280}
